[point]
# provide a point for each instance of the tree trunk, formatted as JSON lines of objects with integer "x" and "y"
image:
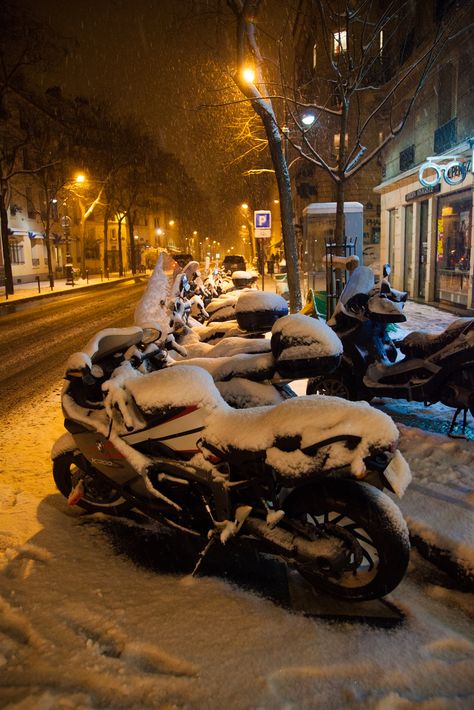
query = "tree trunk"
{"x": 286, "y": 206}
{"x": 47, "y": 232}
{"x": 6, "y": 246}
{"x": 131, "y": 230}
{"x": 106, "y": 243}
{"x": 339, "y": 229}
{"x": 83, "y": 247}
{"x": 48, "y": 244}
{"x": 120, "y": 248}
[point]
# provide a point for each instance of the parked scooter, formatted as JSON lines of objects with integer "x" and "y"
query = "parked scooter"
{"x": 301, "y": 480}
{"x": 422, "y": 367}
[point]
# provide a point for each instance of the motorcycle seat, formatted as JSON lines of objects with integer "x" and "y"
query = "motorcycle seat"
{"x": 421, "y": 345}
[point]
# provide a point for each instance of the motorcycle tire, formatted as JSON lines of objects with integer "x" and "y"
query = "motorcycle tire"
{"x": 332, "y": 385}
{"x": 69, "y": 468}
{"x": 375, "y": 527}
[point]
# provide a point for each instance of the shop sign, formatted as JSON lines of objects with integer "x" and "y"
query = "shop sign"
{"x": 445, "y": 167}
{"x": 421, "y": 192}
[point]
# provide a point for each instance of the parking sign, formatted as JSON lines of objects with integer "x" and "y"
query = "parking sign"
{"x": 262, "y": 222}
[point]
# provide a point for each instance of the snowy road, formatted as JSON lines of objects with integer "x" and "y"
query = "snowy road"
{"x": 30, "y": 361}
{"x": 84, "y": 626}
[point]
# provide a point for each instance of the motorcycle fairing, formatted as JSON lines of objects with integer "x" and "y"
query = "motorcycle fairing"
{"x": 180, "y": 433}
{"x": 420, "y": 344}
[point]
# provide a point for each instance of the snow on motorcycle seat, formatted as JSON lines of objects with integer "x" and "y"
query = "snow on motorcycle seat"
{"x": 304, "y": 347}
{"x": 420, "y": 344}
{"x": 258, "y": 310}
{"x": 244, "y": 279}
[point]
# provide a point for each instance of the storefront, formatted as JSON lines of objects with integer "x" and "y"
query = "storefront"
{"x": 453, "y": 279}
{"x": 427, "y": 229}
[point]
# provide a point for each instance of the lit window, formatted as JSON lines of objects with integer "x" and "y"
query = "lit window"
{"x": 337, "y": 142}
{"x": 315, "y": 55}
{"x": 340, "y": 42}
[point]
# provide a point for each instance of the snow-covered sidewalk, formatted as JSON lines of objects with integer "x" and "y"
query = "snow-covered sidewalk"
{"x": 32, "y": 290}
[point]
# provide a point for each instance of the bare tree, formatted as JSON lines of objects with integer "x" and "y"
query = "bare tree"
{"x": 248, "y": 50}
{"x": 25, "y": 45}
{"x": 367, "y": 78}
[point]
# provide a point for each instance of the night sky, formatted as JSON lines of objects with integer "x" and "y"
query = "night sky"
{"x": 156, "y": 60}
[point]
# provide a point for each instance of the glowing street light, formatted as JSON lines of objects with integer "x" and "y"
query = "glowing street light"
{"x": 244, "y": 206}
{"x": 248, "y": 75}
{"x": 171, "y": 222}
{"x": 308, "y": 119}
{"x": 80, "y": 178}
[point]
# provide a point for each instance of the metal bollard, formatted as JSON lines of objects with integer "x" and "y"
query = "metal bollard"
{"x": 51, "y": 282}
{"x": 87, "y": 276}
{"x": 101, "y": 275}
{"x": 39, "y": 285}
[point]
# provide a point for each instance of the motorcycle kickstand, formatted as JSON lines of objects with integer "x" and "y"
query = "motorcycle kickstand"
{"x": 212, "y": 539}
{"x": 453, "y": 424}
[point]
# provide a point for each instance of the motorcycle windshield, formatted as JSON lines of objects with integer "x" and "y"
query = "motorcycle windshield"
{"x": 361, "y": 281}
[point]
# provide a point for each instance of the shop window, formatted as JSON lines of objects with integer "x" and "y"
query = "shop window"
{"x": 453, "y": 248}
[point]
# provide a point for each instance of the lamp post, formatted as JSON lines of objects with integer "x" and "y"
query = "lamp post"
{"x": 66, "y": 224}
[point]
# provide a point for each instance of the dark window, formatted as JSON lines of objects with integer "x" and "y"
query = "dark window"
{"x": 446, "y": 93}
{"x": 407, "y": 158}
{"x": 445, "y": 137}
{"x": 30, "y": 208}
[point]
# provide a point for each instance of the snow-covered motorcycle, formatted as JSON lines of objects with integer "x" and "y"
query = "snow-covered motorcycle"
{"x": 421, "y": 367}
{"x": 301, "y": 480}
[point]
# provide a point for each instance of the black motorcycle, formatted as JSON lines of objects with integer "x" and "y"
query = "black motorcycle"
{"x": 301, "y": 480}
{"x": 421, "y": 367}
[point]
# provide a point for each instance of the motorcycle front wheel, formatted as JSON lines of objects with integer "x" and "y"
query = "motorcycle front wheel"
{"x": 372, "y": 531}
{"x": 69, "y": 468}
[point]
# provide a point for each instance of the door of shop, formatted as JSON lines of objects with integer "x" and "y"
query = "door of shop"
{"x": 423, "y": 249}
{"x": 408, "y": 256}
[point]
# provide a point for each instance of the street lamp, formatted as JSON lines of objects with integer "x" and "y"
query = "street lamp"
{"x": 248, "y": 75}
{"x": 308, "y": 119}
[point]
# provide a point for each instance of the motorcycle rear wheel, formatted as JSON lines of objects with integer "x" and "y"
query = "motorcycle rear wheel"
{"x": 334, "y": 385}
{"x": 69, "y": 468}
{"x": 376, "y": 529}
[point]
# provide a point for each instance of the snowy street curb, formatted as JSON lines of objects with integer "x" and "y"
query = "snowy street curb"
{"x": 8, "y": 305}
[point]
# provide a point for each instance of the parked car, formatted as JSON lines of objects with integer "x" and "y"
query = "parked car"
{"x": 234, "y": 262}
{"x": 183, "y": 259}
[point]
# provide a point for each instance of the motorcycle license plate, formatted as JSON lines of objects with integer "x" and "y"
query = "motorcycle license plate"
{"x": 398, "y": 474}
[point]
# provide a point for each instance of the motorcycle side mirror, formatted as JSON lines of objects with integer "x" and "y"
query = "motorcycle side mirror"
{"x": 150, "y": 335}
{"x": 97, "y": 372}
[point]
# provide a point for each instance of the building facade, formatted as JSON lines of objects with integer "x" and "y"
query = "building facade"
{"x": 29, "y": 254}
{"x": 427, "y": 190}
